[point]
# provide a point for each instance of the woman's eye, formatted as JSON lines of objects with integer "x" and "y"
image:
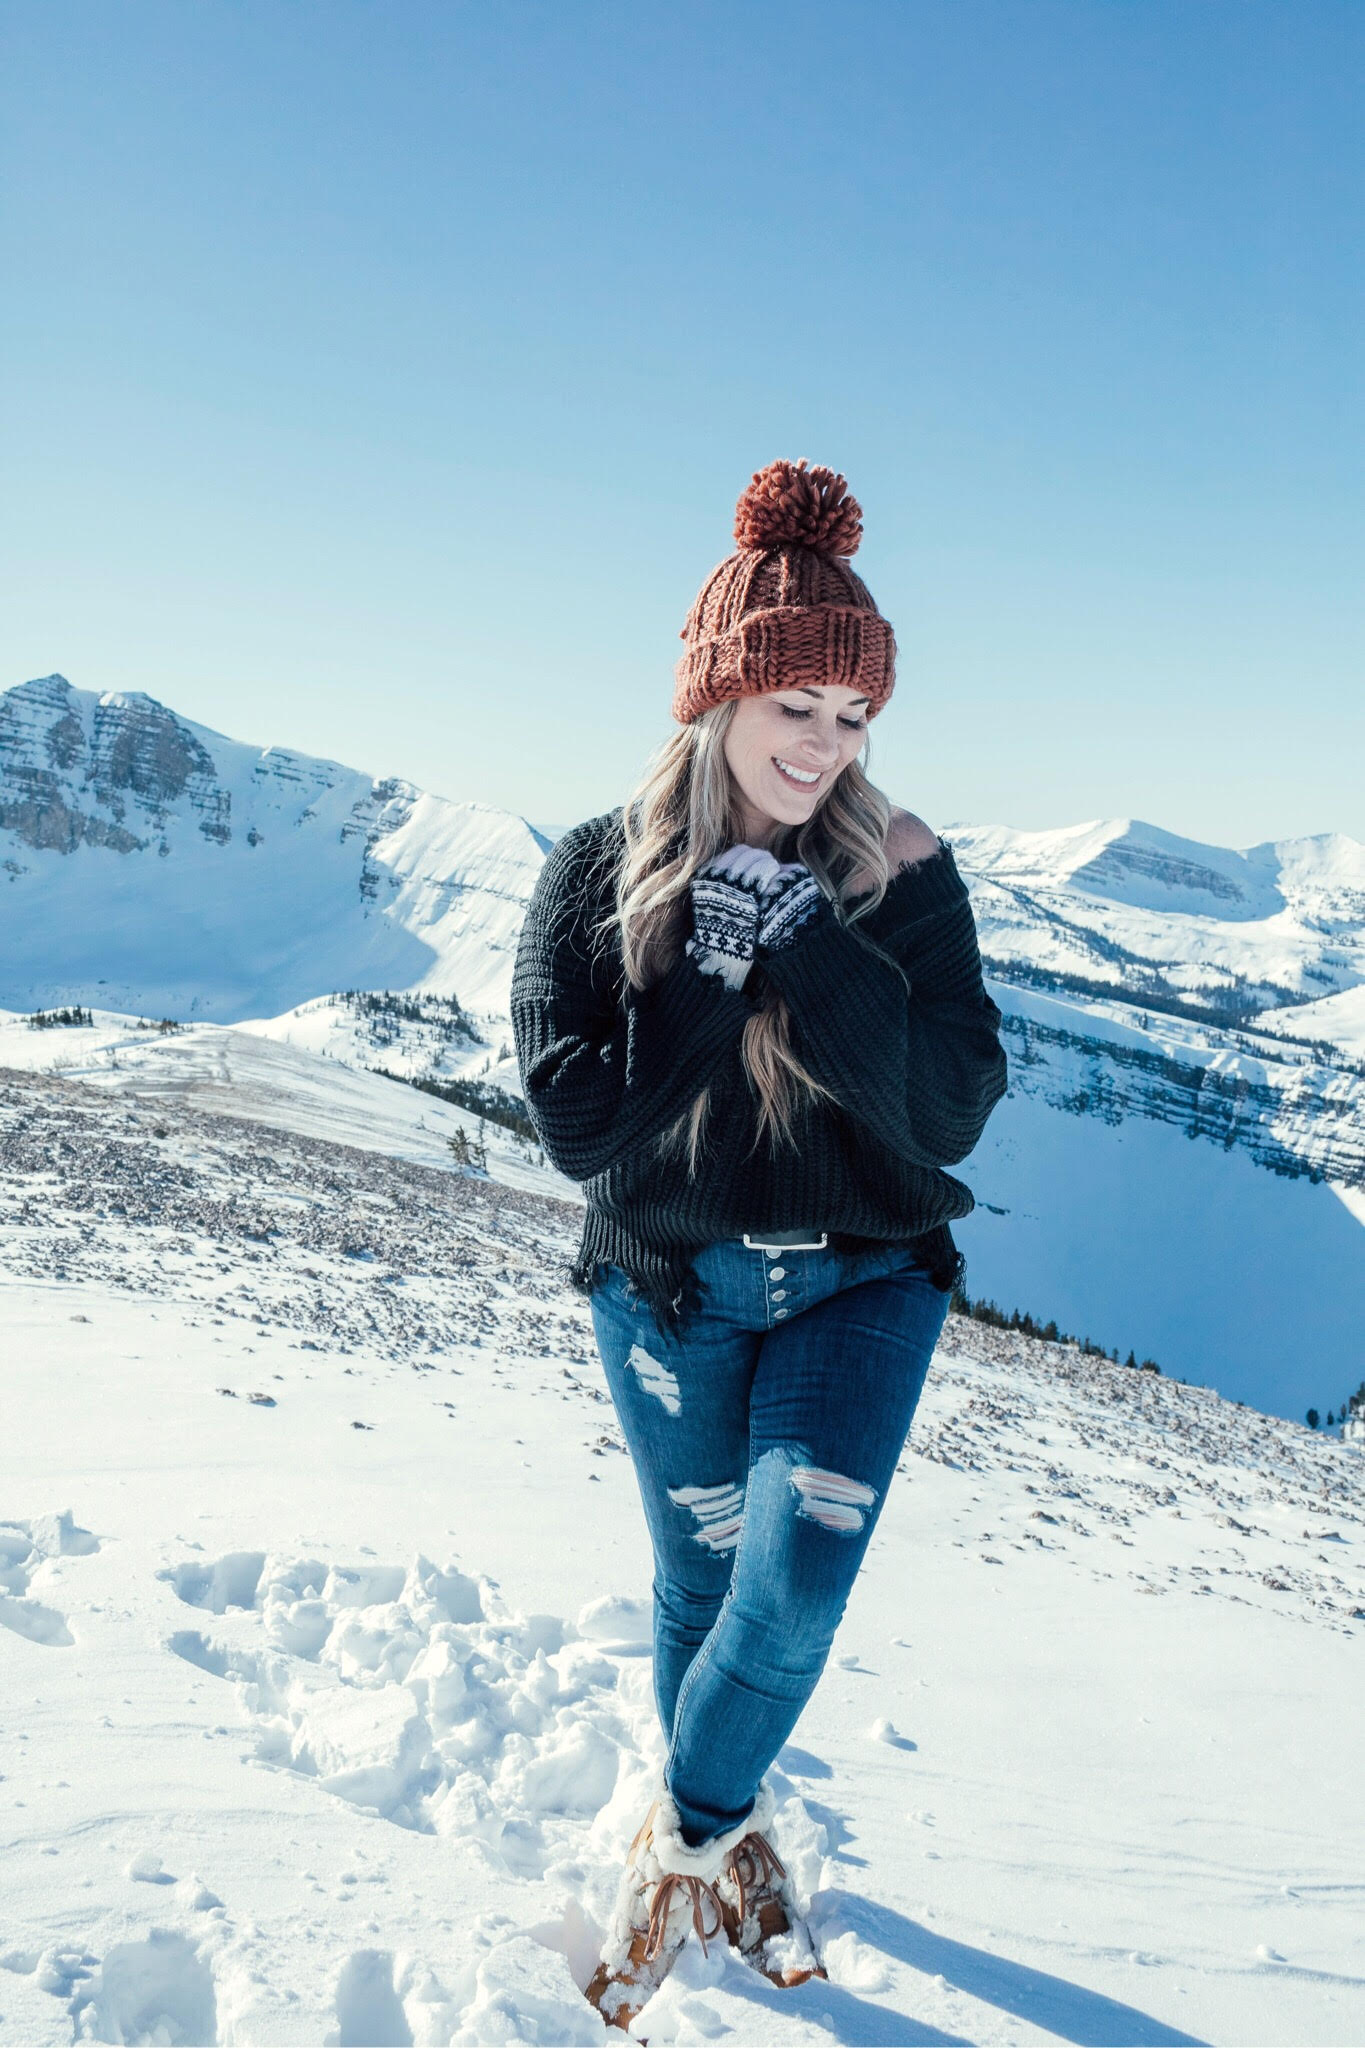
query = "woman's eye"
{"x": 849, "y": 724}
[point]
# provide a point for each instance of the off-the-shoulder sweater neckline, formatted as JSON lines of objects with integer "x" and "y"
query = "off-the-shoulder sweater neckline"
{"x": 934, "y": 868}
{"x": 931, "y": 868}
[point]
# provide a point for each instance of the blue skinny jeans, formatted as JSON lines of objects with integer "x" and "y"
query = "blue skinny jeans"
{"x": 764, "y": 1440}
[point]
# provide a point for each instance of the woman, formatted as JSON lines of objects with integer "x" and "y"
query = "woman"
{"x": 750, "y": 1019}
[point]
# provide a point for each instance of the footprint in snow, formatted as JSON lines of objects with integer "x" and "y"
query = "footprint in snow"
{"x": 26, "y": 1548}
{"x": 158, "y": 1989}
{"x": 417, "y": 1695}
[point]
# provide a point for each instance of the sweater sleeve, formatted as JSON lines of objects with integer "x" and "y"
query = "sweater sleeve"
{"x": 606, "y": 1070}
{"x": 921, "y": 1071}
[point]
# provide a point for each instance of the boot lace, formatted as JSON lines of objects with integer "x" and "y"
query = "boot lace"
{"x": 662, "y": 1902}
{"x": 754, "y": 1862}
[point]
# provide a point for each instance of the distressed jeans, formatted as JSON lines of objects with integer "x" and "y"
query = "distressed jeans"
{"x": 764, "y": 1440}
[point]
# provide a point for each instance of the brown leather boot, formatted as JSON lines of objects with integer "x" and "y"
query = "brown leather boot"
{"x": 762, "y": 1917}
{"x": 667, "y": 1889}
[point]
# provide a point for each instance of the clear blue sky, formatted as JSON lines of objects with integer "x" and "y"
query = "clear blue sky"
{"x": 379, "y": 379}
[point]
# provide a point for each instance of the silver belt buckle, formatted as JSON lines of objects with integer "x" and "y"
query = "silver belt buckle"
{"x": 789, "y": 1243}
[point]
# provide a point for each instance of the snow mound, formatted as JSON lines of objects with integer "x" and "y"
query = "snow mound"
{"x": 419, "y": 1697}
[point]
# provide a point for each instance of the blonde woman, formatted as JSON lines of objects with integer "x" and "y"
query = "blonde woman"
{"x": 750, "y": 1020}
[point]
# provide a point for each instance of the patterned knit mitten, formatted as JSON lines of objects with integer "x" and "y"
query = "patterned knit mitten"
{"x": 725, "y": 915}
{"x": 791, "y": 905}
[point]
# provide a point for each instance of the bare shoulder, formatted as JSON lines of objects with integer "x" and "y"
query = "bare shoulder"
{"x": 908, "y": 840}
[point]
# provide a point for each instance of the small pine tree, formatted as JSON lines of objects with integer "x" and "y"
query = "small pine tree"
{"x": 1312, "y": 1418}
{"x": 1331, "y": 1419}
{"x": 1131, "y": 1360}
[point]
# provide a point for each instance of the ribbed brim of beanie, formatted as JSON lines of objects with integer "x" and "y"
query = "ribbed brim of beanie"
{"x": 786, "y": 608}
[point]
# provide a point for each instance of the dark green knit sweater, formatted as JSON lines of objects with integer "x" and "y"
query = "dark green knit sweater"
{"x": 606, "y": 1068}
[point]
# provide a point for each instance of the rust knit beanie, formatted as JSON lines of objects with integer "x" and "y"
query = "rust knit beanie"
{"x": 786, "y": 608}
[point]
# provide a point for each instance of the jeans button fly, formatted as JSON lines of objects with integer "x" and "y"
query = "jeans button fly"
{"x": 779, "y": 1294}
{"x": 778, "y": 1273}
{"x": 778, "y": 1312}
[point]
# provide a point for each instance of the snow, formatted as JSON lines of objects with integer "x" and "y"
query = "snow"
{"x": 245, "y": 1073}
{"x": 1338, "y": 1019}
{"x": 1115, "y": 1225}
{"x": 261, "y": 880}
{"x": 327, "y": 1715}
{"x": 1115, "y": 898}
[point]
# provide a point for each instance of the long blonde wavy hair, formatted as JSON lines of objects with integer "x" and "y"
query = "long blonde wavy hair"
{"x": 680, "y": 814}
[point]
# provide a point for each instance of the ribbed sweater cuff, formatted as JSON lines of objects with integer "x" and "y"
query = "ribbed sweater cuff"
{"x": 841, "y": 995}
{"x": 701, "y": 1010}
{"x": 826, "y": 960}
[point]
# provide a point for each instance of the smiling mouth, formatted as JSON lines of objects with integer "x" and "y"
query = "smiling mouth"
{"x": 798, "y": 779}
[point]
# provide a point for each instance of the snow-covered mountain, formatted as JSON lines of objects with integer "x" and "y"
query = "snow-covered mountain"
{"x": 150, "y": 865}
{"x": 1179, "y": 1166}
{"x": 1123, "y": 906}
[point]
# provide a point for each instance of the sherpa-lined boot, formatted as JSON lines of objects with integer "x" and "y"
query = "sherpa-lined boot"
{"x": 667, "y": 1888}
{"x": 762, "y": 1917}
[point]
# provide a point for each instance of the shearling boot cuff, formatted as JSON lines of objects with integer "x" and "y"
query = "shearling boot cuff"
{"x": 707, "y": 1858}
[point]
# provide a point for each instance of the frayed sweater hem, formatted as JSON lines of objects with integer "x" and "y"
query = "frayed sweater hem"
{"x": 667, "y": 1280}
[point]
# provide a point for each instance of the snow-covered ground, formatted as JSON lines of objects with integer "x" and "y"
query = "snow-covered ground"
{"x": 1116, "y": 1225}
{"x": 246, "y": 1072}
{"x": 324, "y": 1681}
{"x": 1338, "y": 1020}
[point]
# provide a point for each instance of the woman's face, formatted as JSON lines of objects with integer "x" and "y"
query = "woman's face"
{"x": 786, "y": 748}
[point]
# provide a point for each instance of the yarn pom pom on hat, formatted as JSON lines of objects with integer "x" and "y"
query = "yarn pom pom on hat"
{"x": 786, "y": 608}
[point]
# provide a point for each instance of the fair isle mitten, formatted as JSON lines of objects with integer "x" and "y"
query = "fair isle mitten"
{"x": 791, "y": 905}
{"x": 725, "y": 917}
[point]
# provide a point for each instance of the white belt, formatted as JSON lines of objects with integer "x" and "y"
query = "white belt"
{"x": 786, "y": 1241}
